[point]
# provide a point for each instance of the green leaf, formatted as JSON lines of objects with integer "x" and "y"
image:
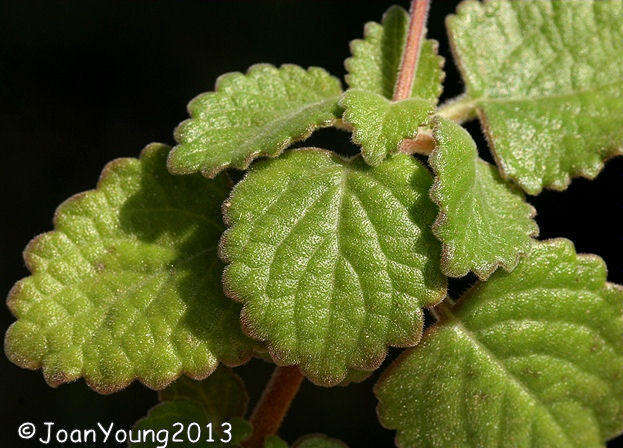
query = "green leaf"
{"x": 547, "y": 79}
{"x": 376, "y": 59}
{"x": 220, "y": 400}
{"x": 274, "y": 442}
{"x": 380, "y": 124}
{"x": 355, "y": 376}
{"x": 308, "y": 441}
{"x": 128, "y": 284}
{"x": 253, "y": 115}
{"x": 483, "y": 222}
{"x": 332, "y": 259}
{"x": 318, "y": 441}
{"x": 532, "y": 358}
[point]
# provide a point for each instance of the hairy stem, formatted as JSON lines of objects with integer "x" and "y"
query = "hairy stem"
{"x": 273, "y": 404}
{"x": 459, "y": 109}
{"x": 411, "y": 54}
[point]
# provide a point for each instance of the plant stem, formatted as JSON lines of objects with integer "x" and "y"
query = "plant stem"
{"x": 411, "y": 54}
{"x": 459, "y": 109}
{"x": 422, "y": 144}
{"x": 273, "y": 404}
{"x": 443, "y": 310}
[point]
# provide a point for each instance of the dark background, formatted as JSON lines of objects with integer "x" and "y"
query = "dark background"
{"x": 83, "y": 82}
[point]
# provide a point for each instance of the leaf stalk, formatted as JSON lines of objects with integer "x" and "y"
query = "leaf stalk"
{"x": 459, "y": 109}
{"x": 273, "y": 404}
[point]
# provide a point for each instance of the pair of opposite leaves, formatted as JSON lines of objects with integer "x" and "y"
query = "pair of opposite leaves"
{"x": 309, "y": 230}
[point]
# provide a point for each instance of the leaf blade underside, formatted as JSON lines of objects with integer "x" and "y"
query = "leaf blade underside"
{"x": 547, "y": 78}
{"x": 532, "y": 358}
{"x": 256, "y": 114}
{"x": 332, "y": 259}
{"x": 483, "y": 221}
{"x": 125, "y": 286}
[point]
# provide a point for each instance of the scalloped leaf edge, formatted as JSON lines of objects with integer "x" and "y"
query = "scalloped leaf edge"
{"x": 247, "y": 326}
{"x": 442, "y": 217}
{"x": 244, "y": 165}
{"x": 56, "y": 380}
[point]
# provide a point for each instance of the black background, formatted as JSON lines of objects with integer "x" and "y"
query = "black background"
{"x": 83, "y": 82}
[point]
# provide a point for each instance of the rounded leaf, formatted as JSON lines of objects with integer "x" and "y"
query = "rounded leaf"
{"x": 531, "y": 358}
{"x": 127, "y": 286}
{"x": 332, "y": 259}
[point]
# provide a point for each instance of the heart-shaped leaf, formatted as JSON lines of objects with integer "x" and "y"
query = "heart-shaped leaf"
{"x": 547, "y": 79}
{"x": 128, "y": 284}
{"x": 376, "y": 59}
{"x": 256, "y": 114}
{"x": 332, "y": 259}
{"x": 483, "y": 221}
{"x": 207, "y": 410}
{"x": 380, "y": 124}
{"x": 531, "y": 358}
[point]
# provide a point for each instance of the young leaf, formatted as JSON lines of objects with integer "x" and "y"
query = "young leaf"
{"x": 128, "y": 284}
{"x": 253, "y": 115}
{"x": 376, "y": 59}
{"x": 332, "y": 259}
{"x": 546, "y": 78}
{"x": 532, "y": 358}
{"x": 221, "y": 400}
{"x": 380, "y": 124}
{"x": 308, "y": 441}
{"x": 483, "y": 221}
{"x": 275, "y": 442}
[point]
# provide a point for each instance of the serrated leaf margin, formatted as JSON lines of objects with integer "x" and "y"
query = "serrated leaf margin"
{"x": 584, "y": 173}
{"x": 55, "y": 380}
{"x": 211, "y": 173}
{"x": 446, "y": 249}
{"x": 246, "y": 323}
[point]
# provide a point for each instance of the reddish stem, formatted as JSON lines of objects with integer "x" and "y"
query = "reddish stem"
{"x": 273, "y": 404}
{"x": 417, "y": 26}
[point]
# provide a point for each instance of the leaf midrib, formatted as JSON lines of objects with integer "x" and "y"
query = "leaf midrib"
{"x": 281, "y": 121}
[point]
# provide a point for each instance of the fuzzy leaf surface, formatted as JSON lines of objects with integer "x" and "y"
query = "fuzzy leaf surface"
{"x": 547, "y": 79}
{"x": 531, "y": 358}
{"x": 221, "y": 400}
{"x": 256, "y": 114}
{"x": 380, "y": 124}
{"x": 355, "y": 376}
{"x": 127, "y": 286}
{"x": 376, "y": 59}
{"x": 483, "y": 221}
{"x": 332, "y": 259}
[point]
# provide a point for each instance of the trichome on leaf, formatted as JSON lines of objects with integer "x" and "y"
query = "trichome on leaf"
{"x": 333, "y": 259}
